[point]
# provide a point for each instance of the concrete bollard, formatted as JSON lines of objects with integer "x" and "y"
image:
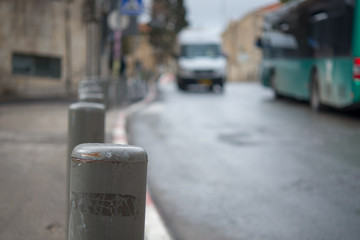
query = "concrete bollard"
{"x": 108, "y": 192}
{"x": 91, "y": 97}
{"x": 86, "y": 125}
{"x": 105, "y": 84}
{"x": 121, "y": 89}
{"x": 92, "y": 86}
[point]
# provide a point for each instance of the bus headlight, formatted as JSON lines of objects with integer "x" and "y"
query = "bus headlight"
{"x": 356, "y": 69}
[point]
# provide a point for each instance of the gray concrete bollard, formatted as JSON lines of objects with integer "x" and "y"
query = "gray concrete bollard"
{"x": 108, "y": 192}
{"x": 121, "y": 89}
{"x": 94, "y": 85}
{"x": 91, "y": 97}
{"x": 86, "y": 125}
{"x": 105, "y": 84}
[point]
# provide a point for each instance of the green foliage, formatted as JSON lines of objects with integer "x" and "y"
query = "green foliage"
{"x": 285, "y": 1}
{"x": 168, "y": 18}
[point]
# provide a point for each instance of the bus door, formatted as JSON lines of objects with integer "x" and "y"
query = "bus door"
{"x": 332, "y": 32}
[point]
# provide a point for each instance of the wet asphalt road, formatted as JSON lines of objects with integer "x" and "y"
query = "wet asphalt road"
{"x": 241, "y": 165}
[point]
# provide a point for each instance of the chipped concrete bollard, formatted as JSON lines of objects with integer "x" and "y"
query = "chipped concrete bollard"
{"x": 108, "y": 192}
{"x": 86, "y": 125}
{"x": 91, "y": 97}
{"x": 90, "y": 88}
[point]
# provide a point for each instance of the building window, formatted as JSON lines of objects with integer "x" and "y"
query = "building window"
{"x": 38, "y": 66}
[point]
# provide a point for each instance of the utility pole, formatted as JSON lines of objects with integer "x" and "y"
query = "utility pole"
{"x": 93, "y": 18}
{"x": 68, "y": 52}
{"x": 117, "y": 47}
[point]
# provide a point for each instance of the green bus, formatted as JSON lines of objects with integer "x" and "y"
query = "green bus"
{"x": 311, "y": 51}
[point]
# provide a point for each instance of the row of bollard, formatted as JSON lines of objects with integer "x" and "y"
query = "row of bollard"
{"x": 106, "y": 183}
{"x": 112, "y": 92}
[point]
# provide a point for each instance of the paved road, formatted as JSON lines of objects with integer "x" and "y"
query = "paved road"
{"x": 241, "y": 165}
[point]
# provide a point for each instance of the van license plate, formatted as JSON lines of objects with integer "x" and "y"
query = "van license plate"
{"x": 206, "y": 82}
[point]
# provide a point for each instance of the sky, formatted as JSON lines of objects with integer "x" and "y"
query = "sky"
{"x": 215, "y": 14}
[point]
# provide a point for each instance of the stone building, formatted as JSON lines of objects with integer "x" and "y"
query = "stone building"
{"x": 42, "y": 46}
{"x": 239, "y": 40}
{"x": 142, "y": 52}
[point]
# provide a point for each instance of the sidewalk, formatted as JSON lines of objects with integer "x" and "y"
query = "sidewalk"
{"x": 33, "y": 138}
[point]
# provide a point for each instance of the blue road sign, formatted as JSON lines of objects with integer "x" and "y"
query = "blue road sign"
{"x": 131, "y": 7}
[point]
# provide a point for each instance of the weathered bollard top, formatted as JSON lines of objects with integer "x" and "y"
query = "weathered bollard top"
{"x": 84, "y": 105}
{"x": 91, "y": 97}
{"x": 108, "y": 153}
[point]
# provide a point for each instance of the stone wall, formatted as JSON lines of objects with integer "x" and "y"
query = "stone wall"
{"x": 239, "y": 45}
{"x": 38, "y": 27}
{"x": 239, "y": 40}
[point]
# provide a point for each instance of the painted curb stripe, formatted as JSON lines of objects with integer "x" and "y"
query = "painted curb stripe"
{"x": 154, "y": 226}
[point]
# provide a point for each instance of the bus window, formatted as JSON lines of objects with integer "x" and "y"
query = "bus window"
{"x": 310, "y": 52}
{"x": 332, "y": 29}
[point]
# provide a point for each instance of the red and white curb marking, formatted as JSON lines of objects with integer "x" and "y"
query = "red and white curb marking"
{"x": 166, "y": 78}
{"x": 119, "y": 132}
{"x": 154, "y": 226}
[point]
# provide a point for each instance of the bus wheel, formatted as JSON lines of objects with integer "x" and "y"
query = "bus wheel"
{"x": 315, "y": 102}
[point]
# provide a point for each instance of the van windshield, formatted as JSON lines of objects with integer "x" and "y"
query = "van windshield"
{"x": 200, "y": 50}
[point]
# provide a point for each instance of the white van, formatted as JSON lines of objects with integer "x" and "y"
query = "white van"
{"x": 200, "y": 60}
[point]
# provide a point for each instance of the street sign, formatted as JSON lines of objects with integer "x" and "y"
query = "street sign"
{"x": 133, "y": 27}
{"x": 118, "y": 22}
{"x": 131, "y": 7}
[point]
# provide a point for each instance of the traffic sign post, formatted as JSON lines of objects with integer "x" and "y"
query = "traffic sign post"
{"x": 131, "y": 7}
